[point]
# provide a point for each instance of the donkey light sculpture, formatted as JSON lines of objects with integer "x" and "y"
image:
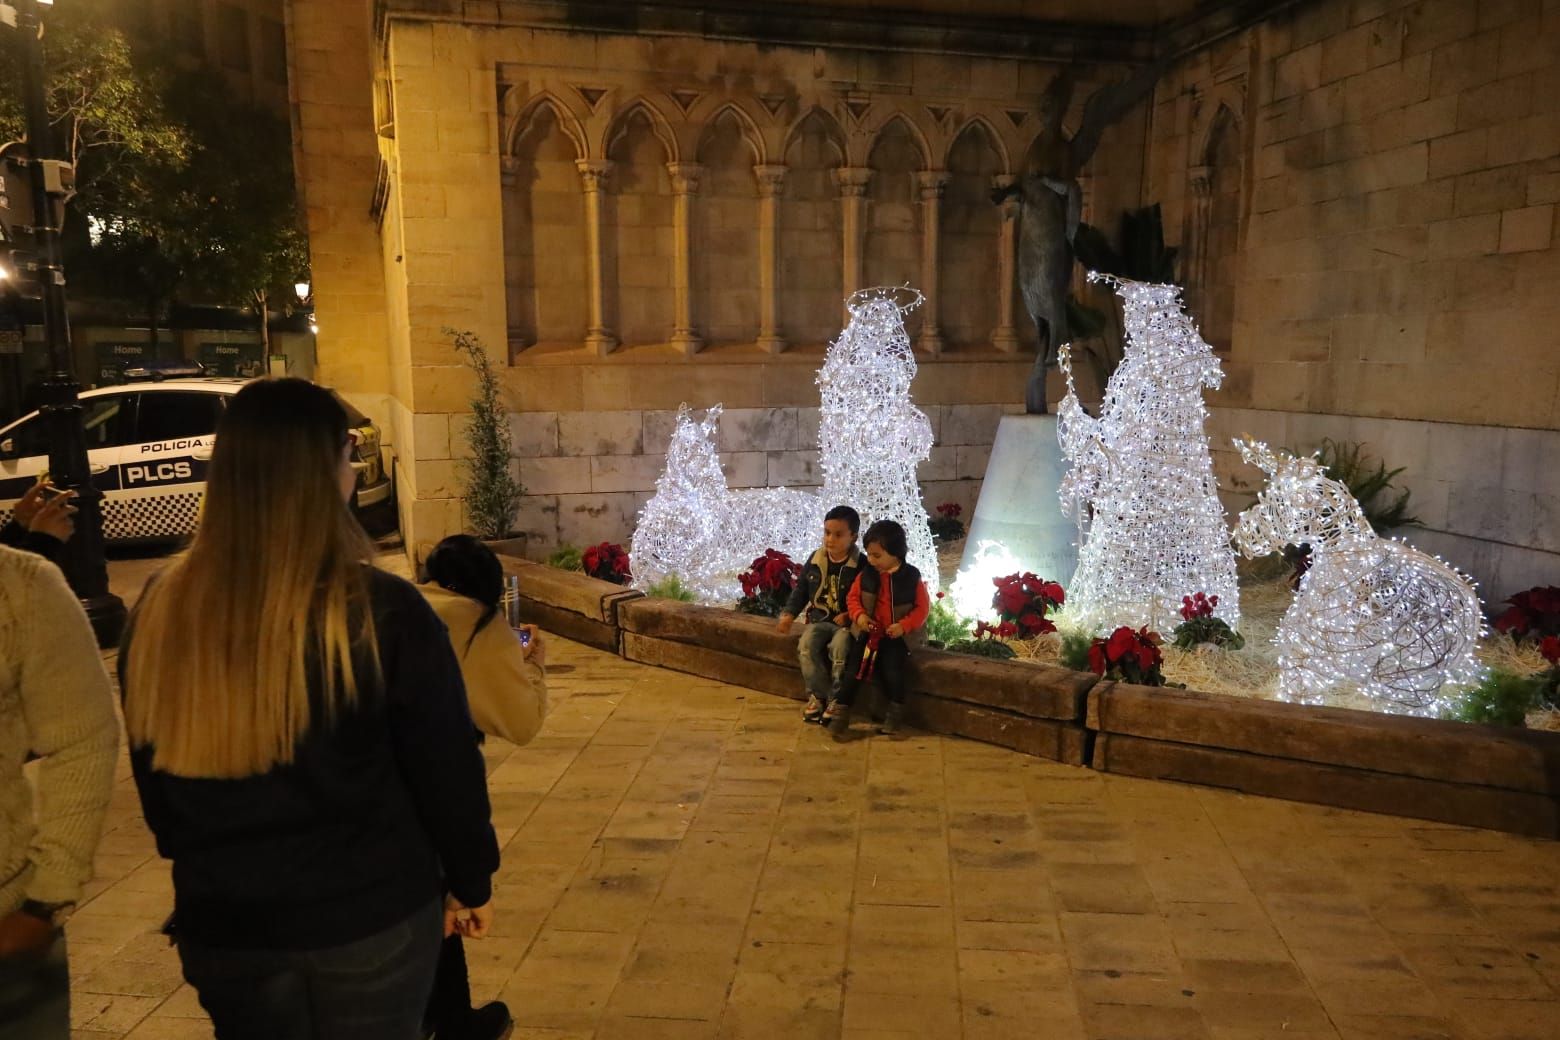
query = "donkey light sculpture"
{"x": 1396, "y": 622}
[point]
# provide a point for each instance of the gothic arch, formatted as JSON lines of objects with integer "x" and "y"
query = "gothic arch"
{"x": 658, "y": 124}
{"x": 1224, "y": 121}
{"x": 916, "y": 132}
{"x": 836, "y": 133}
{"x": 976, "y": 124}
{"x": 745, "y": 120}
{"x": 568, "y": 121}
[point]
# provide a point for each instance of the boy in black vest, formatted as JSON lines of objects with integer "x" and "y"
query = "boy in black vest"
{"x": 888, "y": 602}
{"x": 819, "y": 600}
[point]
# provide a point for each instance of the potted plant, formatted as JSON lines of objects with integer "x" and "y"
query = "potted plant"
{"x": 606, "y": 562}
{"x": 767, "y": 584}
{"x": 1128, "y": 655}
{"x": 492, "y": 493}
{"x": 1200, "y": 629}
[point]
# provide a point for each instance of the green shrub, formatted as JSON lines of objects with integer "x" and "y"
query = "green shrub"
{"x": 671, "y": 587}
{"x": 492, "y": 493}
{"x": 566, "y": 558}
{"x": 1502, "y": 699}
{"x": 982, "y": 648}
{"x": 944, "y": 625}
{"x": 1074, "y": 653}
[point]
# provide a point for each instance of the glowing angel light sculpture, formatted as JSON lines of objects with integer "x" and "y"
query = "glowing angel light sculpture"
{"x": 871, "y": 436}
{"x": 1373, "y": 612}
{"x": 1141, "y": 484}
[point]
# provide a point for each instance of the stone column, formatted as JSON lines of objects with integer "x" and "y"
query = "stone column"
{"x": 852, "y": 182}
{"x": 932, "y": 184}
{"x": 685, "y": 185}
{"x": 593, "y": 175}
{"x": 1005, "y": 337}
{"x": 770, "y": 180}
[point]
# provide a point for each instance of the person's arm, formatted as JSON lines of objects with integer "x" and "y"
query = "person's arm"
{"x": 12, "y": 533}
{"x": 920, "y": 612}
{"x": 802, "y": 592}
{"x": 507, "y": 691}
{"x": 431, "y": 727}
{"x": 68, "y": 708}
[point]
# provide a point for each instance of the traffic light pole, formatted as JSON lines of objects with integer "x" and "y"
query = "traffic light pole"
{"x": 69, "y": 466}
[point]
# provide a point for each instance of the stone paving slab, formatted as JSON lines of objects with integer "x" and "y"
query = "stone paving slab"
{"x": 685, "y": 859}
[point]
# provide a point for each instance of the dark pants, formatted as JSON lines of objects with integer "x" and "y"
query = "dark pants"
{"x": 35, "y": 995}
{"x": 373, "y": 989}
{"x": 891, "y": 669}
{"x": 449, "y": 1009}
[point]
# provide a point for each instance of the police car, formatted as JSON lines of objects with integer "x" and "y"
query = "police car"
{"x": 148, "y": 445}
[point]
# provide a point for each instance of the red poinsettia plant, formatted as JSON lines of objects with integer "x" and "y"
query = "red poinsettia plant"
{"x": 1198, "y": 624}
{"x": 1023, "y": 600}
{"x": 767, "y": 583}
{"x": 608, "y": 562}
{"x": 1128, "y": 655}
{"x": 946, "y": 525}
{"x": 1549, "y": 647}
{"x": 1533, "y": 614}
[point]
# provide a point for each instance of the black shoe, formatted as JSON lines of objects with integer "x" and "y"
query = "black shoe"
{"x": 839, "y": 724}
{"x": 891, "y": 720}
{"x": 488, "y": 1022}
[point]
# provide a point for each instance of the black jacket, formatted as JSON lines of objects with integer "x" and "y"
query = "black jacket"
{"x": 373, "y": 817}
{"x": 18, "y": 537}
{"x": 812, "y": 579}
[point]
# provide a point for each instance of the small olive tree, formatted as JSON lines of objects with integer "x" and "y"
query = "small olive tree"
{"x": 492, "y": 492}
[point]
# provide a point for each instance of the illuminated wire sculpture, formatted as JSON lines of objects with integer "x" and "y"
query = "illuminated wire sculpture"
{"x": 871, "y": 436}
{"x": 698, "y": 529}
{"x": 1371, "y": 612}
{"x": 1141, "y": 486}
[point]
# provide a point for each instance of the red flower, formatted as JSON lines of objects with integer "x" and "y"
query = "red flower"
{"x": 1097, "y": 663}
{"x": 1549, "y": 646}
{"x": 1123, "y": 641}
{"x": 950, "y": 509}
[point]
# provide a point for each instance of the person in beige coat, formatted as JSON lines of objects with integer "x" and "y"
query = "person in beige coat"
{"x": 56, "y": 705}
{"x": 506, "y": 686}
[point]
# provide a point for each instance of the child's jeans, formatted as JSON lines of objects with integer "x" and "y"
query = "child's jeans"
{"x": 822, "y": 650}
{"x": 891, "y": 669}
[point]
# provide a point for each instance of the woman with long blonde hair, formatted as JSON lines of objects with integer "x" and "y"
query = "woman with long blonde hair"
{"x": 302, "y": 745}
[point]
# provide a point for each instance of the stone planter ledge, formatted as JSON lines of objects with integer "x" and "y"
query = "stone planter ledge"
{"x": 1451, "y": 772}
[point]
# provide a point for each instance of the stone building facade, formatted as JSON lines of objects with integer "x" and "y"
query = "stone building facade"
{"x": 668, "y": 205}
{"x": 1366, "y": 195}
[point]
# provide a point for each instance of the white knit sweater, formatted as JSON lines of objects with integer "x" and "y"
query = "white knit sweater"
{"x": 56, "y": 703}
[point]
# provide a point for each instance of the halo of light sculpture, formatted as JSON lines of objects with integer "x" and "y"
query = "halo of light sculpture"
{"x": 1141, "y": 484}
{"x": 871, "y": 436}
{"x": 1376, "y": 613}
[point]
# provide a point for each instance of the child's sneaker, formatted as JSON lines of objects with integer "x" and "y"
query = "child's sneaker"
{"x": 891, "y": 720}
{"x": 814, "y": 710}
{"x": 837, "y": 718}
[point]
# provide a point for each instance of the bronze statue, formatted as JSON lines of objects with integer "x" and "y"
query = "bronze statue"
{"x": 1051, "y": 203}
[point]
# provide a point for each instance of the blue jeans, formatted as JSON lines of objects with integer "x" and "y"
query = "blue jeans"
{"x": 35, "y": 995}
{"x": 821, "y": 651}
{"x": 373, "y": 989}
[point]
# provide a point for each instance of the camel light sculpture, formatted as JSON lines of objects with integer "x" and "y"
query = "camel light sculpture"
{"x": 1397, "y": 623}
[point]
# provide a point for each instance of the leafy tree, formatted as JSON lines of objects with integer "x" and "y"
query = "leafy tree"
{"x": 183, "y": 190}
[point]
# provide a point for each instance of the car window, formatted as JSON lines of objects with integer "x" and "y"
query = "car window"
{"x": 29, "y": 439}
{"x": 171, "y": 414}
{"x": 106, "y": 422}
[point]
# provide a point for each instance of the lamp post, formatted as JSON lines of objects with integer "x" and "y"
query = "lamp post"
{"x": 49, "y": 179}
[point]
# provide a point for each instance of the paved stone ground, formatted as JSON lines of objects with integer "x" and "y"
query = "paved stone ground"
{"x": 685, "y": 859}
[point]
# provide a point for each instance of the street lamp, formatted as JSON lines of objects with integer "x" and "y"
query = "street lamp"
{"x": 50, "y": 180}
{"x": 302, "y": 289}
